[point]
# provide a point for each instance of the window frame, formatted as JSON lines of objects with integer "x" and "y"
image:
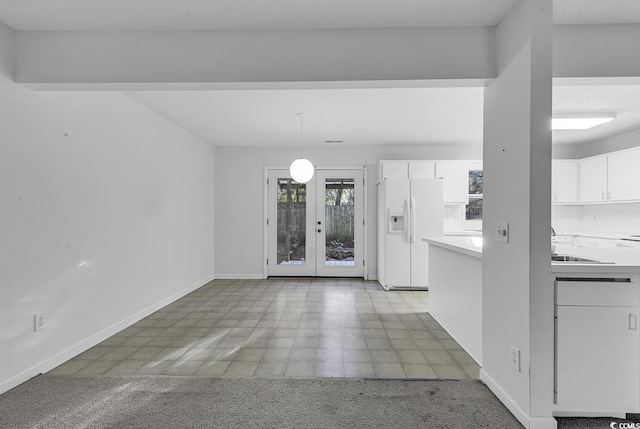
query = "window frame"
{"x": 473, "y": 224}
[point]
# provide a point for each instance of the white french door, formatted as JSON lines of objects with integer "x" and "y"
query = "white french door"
{"x": 339, "y": 223}
{"x": 317, "y": 228}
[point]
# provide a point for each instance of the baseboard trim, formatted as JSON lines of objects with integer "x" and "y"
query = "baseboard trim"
{"x": 504, "y": 397}
{"x": 228, "y": 276}
{"x": 616, "y": 415}
{"x": 74, "y": 350}
{"x": 543, "y": 423}
{"x": 527, "y": 421}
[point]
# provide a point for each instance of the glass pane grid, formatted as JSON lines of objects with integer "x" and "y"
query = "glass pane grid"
{"x": 474, "y": 208}
{"x": 339, "y": 222}
{"x": 292, "y": 220}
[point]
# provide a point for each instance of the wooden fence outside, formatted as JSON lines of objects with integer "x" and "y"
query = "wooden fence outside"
{"x": 338, "y": 224}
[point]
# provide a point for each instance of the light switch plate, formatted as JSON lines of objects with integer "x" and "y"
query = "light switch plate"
{"x": 502, "y": 232}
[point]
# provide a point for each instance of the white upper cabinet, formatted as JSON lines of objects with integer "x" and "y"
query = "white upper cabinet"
{"x": 624, "y": 175}
{"x": 456, "y": 180}
{"x": 394, "y": 170}
{"x": 564, "y": 181}
{"x": 422, "y": 169}
{"x": 454, "y": 173}
{"x": 417, "y": 169}
{"x": 593, "y": 179}
{"x": 611, "y": 177}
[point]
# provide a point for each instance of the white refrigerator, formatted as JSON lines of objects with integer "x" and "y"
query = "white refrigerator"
{"x": 408, "y": 209}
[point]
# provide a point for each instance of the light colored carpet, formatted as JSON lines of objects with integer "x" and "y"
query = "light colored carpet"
{"x": 201, "y": 402}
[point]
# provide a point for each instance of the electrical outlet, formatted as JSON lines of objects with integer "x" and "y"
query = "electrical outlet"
{"x": 503, "y": 232}
{"x": 38, "y": 322}
{"x": 515, "y": 358}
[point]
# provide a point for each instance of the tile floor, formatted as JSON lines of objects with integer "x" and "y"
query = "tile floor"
{"x": 292, "y": 327}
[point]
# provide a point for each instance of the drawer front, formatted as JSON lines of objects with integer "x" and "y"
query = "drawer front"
{"x": 597, "y": 293}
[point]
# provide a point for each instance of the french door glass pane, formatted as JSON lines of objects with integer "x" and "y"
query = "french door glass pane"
{"x": 339, "y": 201}
{"x": 292, "y": 218}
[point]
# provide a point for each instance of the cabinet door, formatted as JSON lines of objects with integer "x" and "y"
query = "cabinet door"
{"x": 422, "y": 169}
{"x": 456, "y": 180}
{"x": 564, "y": 181}
{"x": 593, "y": 179}
{"x": 597, "y": 359}
{"x": 624, "y": 175}
{"x": 394, "y": 170}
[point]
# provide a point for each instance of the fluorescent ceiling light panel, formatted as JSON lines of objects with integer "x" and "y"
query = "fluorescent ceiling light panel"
{"x": 580, "y": 121}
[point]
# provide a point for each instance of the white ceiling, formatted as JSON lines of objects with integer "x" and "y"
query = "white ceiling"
{"x": 408, "y": 116}
{"x": 596, "y": 12}
{"x": 150, "y": 15}
{"x": 624, "y": 100}
{"x": 357, "y": 116}
{"x": 399, "y": 116}
{"x": 155, "y": 15}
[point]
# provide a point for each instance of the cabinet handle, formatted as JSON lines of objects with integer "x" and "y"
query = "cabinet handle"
{"x": 608, "y": 195}
{"x": 633, "y": 322}
{"x": 603, "y": 197}
{"x": 555, "y": 197}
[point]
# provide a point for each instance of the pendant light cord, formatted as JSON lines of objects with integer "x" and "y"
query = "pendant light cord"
{"x": 301, "y": 116}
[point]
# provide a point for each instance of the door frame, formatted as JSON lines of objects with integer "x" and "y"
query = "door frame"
{"x": 265, "y": 215}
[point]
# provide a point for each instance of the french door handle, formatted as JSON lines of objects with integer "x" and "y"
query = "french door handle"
{"x": 407, "y": 217}
{"x": 413, "y": 220}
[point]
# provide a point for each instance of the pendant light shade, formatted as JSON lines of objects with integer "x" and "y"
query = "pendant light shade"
{"x": 301, "y": 169}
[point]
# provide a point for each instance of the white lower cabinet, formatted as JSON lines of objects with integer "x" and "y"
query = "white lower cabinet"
{"x": 597, "y": 354}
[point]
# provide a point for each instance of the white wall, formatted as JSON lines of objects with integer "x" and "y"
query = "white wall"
{"x": 566, "y": 218}
{"x": 106, "y": 214}
{"x": 617, "y": 218}
{"x": 600, "y": 218}
{"x": 517, "y": 294}
{"x": 611, "y": 144}
{"x": 240, "y": 195}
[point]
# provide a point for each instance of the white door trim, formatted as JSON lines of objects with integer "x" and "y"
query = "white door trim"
{"x": 265, "y": 196}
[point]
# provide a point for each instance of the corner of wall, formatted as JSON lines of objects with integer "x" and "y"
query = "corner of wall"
{"x": 7, "y": 52}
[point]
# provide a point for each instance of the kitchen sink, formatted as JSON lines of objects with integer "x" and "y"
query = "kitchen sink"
{"x": 575, "y": 259}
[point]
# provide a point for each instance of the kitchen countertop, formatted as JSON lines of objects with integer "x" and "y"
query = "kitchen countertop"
{"x": 620, "y": 259}
{"x": 469, "y": 245}
{"x": 607, "y": 235}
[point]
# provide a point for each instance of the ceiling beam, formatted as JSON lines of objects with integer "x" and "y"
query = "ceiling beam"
{"x": 309, "y": 59}
{"x": 223, "y": 59}
{"x": 585, "y": 52}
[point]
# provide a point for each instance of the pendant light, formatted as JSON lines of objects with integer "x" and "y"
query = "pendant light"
{"x": 301, "y": 169}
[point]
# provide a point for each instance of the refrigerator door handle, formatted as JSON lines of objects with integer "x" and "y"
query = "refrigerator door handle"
{"x": 413, "y": 220}
{"x": 407, "y": 224}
